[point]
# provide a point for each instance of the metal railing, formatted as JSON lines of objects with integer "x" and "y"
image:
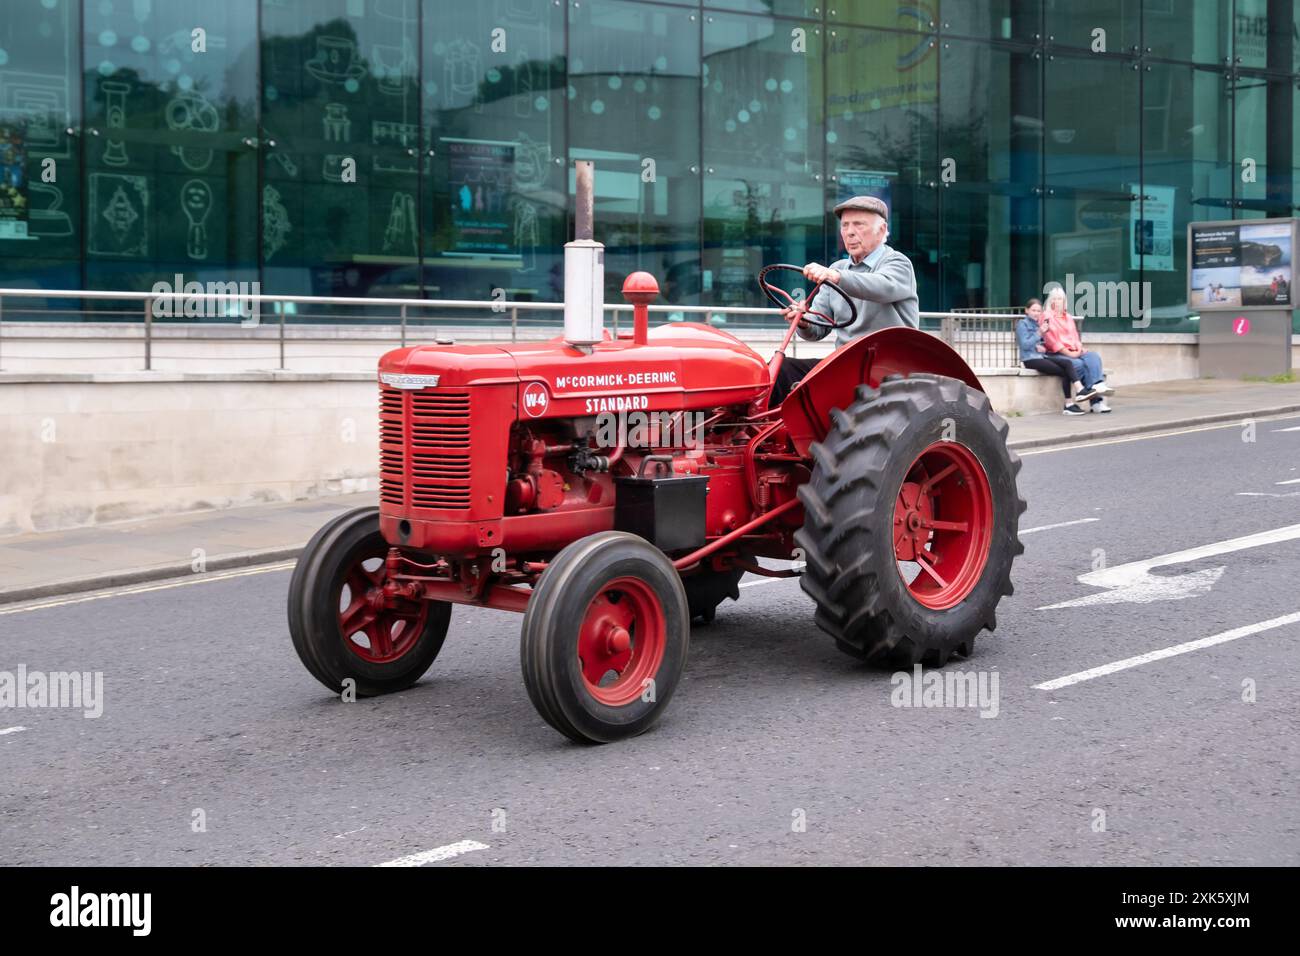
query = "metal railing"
{"x": 983, "y": 340}
{"x": 985, "y": 337}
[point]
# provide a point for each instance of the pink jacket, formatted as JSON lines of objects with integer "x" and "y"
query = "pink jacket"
{"x": 1060, "y": 333}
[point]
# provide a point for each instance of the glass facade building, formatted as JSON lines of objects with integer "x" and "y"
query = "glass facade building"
{"x": 424, "y": 148}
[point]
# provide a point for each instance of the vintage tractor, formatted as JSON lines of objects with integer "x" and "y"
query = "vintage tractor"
{"x": 884, "y": 476}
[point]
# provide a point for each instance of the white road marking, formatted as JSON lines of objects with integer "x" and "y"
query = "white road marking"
{"x": 1268, "y": 494}
{"x": 1060, "y": 524}
{"x": 1294, "y": 428}
{"x": 12, "y": 730}
{"x": 1134, "y": 582}
{"x": 201, "y": 578}
{"x": 1174, "y": 651}
{"x": 764, "y": 580}
{"x": 1289, "y": 481}
{"x": 437, "y": 854}
{"x": 1147, "y": 435}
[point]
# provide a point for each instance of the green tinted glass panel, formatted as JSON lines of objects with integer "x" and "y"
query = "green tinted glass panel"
{"x": 494, "y": 114}
{"x": 40, "y": 169}
{"x": 1112, "y": 26}
{"x": 991, "y": 210}
{"x": 635, "y": 74}
{"x": 340, "y": 152}
{"x": 764, "y": 138}
{"x": 1093, "y": 178}
{"x": 882, "y": 139}
{"x": 1187, "y": 176}
{"x": 995, "y": 19}
{"x": 170, "y": 182}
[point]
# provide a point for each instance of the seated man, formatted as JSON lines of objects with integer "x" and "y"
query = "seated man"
{"x": 879, "y": 279}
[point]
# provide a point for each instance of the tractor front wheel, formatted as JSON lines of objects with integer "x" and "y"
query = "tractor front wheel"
{"x": 910, "y": 521}
{"x": 605, "y": 638}
{"x": 344, "y": 628}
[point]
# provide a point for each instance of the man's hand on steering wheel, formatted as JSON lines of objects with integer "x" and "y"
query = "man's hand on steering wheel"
{"x": 819, "y": 273}
{"x": 800, "y": 310}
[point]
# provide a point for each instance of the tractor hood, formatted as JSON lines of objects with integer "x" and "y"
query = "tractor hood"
{"x": 683, "y": 365}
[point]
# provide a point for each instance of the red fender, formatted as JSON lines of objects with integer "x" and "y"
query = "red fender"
{"x": 867, "y": 360}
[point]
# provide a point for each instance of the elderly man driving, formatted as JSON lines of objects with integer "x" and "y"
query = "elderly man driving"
{"x": 878, "y": 278}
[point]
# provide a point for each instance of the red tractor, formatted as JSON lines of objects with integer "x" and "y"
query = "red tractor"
{"x": 884, "y": 475}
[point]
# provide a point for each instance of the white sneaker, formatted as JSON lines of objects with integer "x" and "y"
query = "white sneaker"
{"x": 1073, "y": 409}
{"x": 1101, "y": 388}
{"x": 1100, "y": 406}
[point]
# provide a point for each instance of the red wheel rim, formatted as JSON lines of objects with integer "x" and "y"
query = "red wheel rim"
{"x": 376, "y": 628}
{"x": 943, "y": 525}
{"x": 621, "y": 642}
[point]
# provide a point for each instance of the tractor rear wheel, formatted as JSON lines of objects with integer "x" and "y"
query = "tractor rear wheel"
{"x": 911, "y": 521}
{"x": 341, "y": 626}
{"x": 605, "y": 637}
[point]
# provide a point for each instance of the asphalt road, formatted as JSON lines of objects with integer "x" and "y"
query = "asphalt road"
{"x": 206, "y": 708}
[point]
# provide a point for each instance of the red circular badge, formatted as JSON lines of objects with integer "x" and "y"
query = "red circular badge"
{"x": 1241, "y": 325}
{"x": 536, "y": 399}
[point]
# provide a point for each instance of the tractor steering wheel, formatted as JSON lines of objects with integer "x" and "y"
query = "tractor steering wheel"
{"x": 785, "y": 300}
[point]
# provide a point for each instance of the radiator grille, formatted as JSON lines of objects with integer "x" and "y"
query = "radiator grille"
{"x": 424, "y": 438}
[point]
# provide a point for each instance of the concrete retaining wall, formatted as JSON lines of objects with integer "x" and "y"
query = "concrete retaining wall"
{"x": 81, "y": 450}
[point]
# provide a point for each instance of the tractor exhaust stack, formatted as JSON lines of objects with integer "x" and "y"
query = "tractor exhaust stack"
{"x": 584, "y": 268}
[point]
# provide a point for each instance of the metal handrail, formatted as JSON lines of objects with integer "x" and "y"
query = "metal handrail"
{"x": 950, "y": 321}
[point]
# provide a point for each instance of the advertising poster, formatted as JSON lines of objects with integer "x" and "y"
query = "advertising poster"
{"x": 1153, "y": 231}
{"x": 1236, "y": 265}
{"x": 480, "y": 179}
{"x": 1266, "y": 264}
{"x": 13, "y": 181}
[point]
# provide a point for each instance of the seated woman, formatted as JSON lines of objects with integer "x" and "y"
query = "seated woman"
{"x": 1033, "y": 354}
{"x": 1062, "y": 338}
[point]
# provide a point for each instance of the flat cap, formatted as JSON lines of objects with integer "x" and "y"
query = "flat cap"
{"x": 866, "y": 204}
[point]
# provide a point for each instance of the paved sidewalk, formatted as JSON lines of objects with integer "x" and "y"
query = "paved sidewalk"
{"x": 42, "y": 565}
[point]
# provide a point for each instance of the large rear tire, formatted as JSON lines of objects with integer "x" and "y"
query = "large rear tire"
{"x": 911, "y": 521}
{"x": 340, "y": 628}
{"x": 605, "y": 638}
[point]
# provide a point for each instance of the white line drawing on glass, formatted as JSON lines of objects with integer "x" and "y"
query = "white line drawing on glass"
{"x": 286, "y": 163}
{"x": 191, "y": 111}
{"x": 460, "y": 72}
{"x": 400, "y": 234}
{"x": 275, "y": 223}
{"x": 331, "y": 167}
{"x": 42, "y": 101}
{"x": 120, "y": 220}
{"x": 519, "y": 12}
{"x": 49, "y": 222}
{"x": 196, "y": 201}
{"x": 526, "y": 233}
{"x": 335, "y": 60}
{"x": 338, "y": 128}
{"x": 524, "y": 86}
{"x": 530, "y": 163}
{"x": 395, "y": 66}
{"x": 396, "y": 10}
{"x": 392, "y": 133}
{"x": 115, "y": 107}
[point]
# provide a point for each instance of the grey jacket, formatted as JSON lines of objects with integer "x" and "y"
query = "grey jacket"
{"x": 884, "y": 296}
